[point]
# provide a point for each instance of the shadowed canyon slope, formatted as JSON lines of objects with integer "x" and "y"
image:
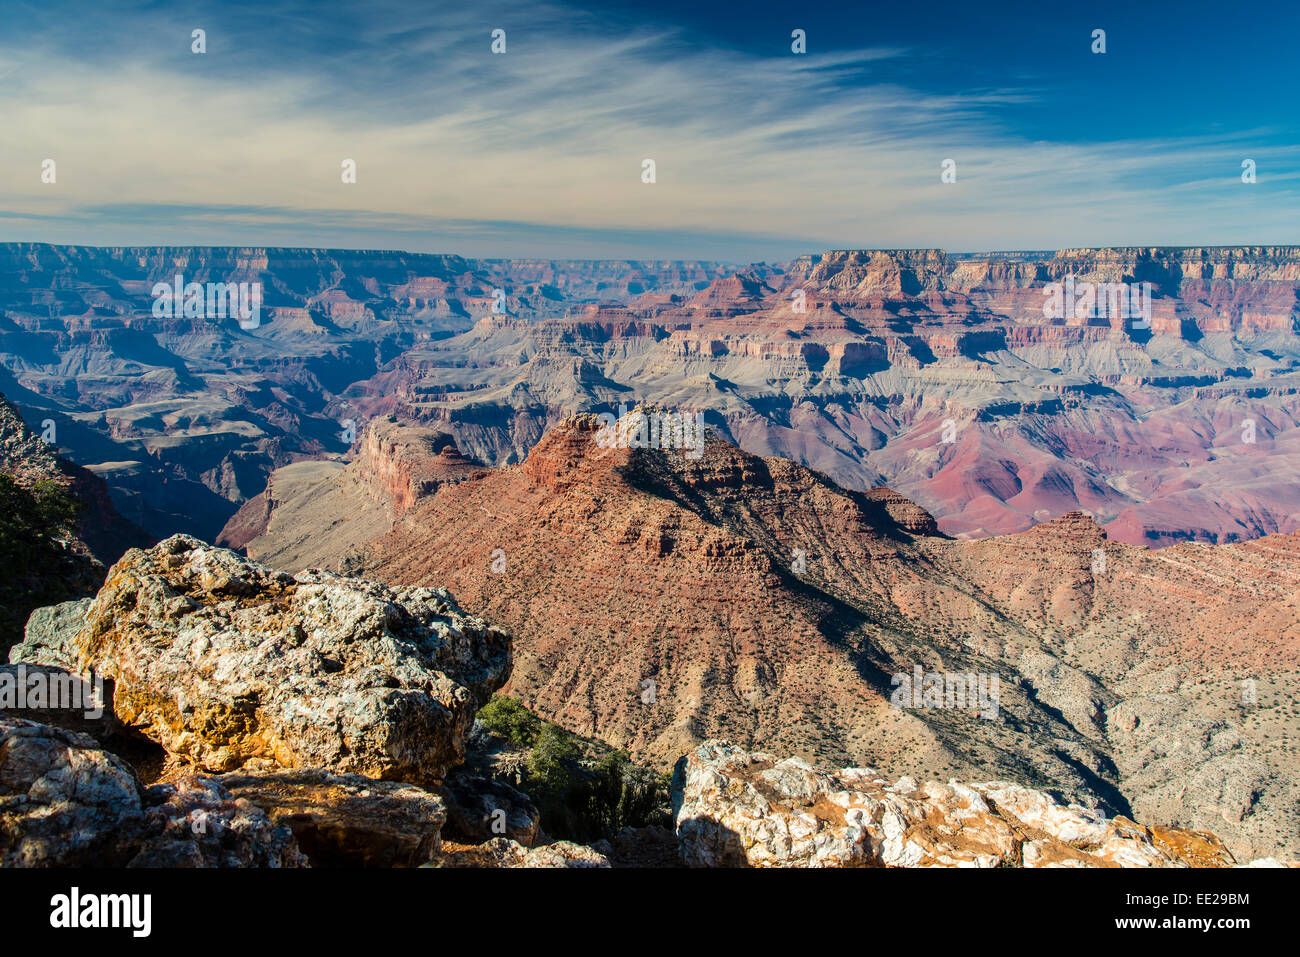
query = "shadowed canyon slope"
{"x": 658, "y": 600}
{"x": 938, "y": 375}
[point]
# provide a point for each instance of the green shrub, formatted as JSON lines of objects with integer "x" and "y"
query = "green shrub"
{"x": 509, "y": 719}
{"x": 33, "y": 519}
{"x": 583, "y": 790}
{"x": 35, "y": 523}
{"x": 621, "y": 794}
{"x": 548, "y": 763}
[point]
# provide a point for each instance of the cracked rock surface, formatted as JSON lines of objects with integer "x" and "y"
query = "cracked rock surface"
{"x": 231, "y": 665}
{"x": 736, "y": 808}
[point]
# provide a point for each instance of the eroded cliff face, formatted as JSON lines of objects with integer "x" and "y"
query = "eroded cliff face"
{"x": 937, "y": 374}
{"x": 860, "y": 273}
{"x": 317, "y": 512}
{"x": 659, "y": 599}
{"x": 399, "y": 465}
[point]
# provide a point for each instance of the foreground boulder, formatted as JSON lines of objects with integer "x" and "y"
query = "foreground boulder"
{"x": 48, "y": 635}
{"x": 231, "y": 665}
{"x": 54, "y": 695}
{"x": 66, "y": 802}
{"x": 734, "y": 808}
{"x": 345, "y": 820}
{"x": 480, "y": 808}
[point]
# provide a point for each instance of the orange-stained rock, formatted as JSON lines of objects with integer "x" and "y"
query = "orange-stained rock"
{"x": 232, "y": 665}
{"x": 734, "y": 808}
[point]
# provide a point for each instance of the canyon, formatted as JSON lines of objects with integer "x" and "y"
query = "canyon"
{"x": 911, "y": 469}
{"x": 935, "y": 374}
{"x": 258, "y": 719}
{"x": 658, "y": 600}
{"x": 184, "y": 418}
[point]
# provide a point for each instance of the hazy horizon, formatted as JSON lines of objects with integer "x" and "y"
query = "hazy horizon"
{"x": 761, "y": 153}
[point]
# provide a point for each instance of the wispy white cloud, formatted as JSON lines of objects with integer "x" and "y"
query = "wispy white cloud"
{"x": 821, "y": 148}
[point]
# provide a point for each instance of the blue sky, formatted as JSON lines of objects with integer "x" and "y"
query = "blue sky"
{"x": 759, "y": 153}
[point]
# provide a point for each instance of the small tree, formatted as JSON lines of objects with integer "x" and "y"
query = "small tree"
{"x": 511, "y": 720}
{"x": 36, "y": 523}
{"x": 546, "y": 763}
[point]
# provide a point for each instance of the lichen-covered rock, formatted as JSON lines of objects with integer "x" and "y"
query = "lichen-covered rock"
{"x": 503, "y": 852}
{"x": 734, "y": 808}
{"x": 195, "y": 822}
{"x": 61, "y": 795}
{"x": 234, "y": 666}
{"x": 480, "y": 808}
{"x": 345, "y": 820}
{"x": 49, "y": 631}
{"x": 66, "y": 802}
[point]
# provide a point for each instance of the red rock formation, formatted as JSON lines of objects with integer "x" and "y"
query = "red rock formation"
{"x": 401, "y": 464}
{"x": 860, "y": 376}
{"x": 657, "y": 600}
